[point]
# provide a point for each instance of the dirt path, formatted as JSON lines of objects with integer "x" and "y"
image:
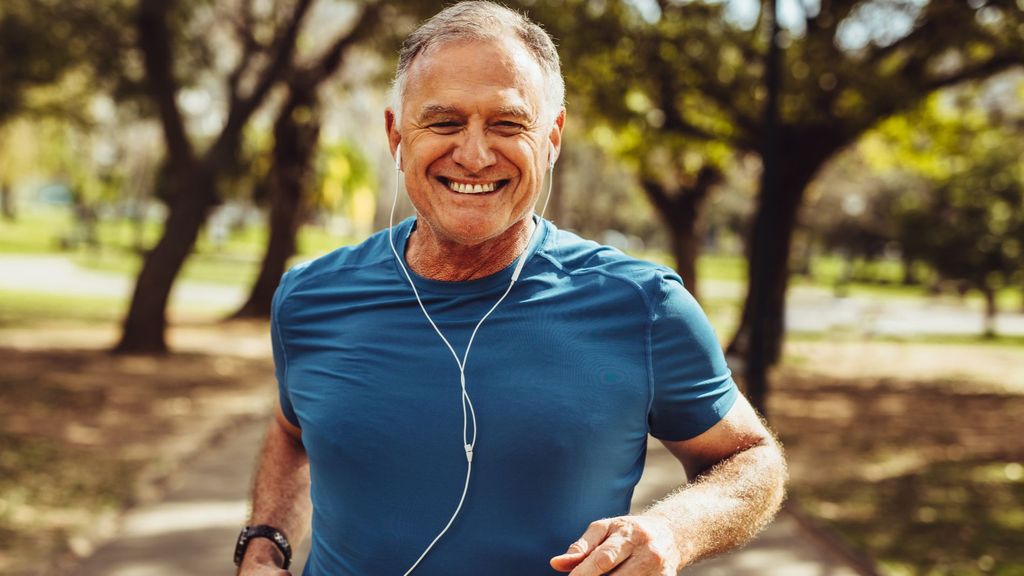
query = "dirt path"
{"x": 84, "y": 433}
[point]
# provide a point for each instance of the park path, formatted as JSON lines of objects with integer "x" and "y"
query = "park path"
{"x": 192, "y": 530}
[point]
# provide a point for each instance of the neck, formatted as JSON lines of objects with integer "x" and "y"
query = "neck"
{"x": 438, "y": 258}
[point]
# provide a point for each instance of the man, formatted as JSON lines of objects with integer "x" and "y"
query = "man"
{"x": 471, "y": 392}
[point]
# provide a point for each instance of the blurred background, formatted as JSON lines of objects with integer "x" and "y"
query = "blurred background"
{"x": 839, "y": 182}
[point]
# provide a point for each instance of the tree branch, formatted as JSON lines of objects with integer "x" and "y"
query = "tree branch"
{"x": 985, "y": 69}
{"x": 655, "y": 192}
{"x": 158, "y": 59}
{"x": 283, "y": 48}
{"x": 331, "y": 59}
{"x": 243, "y": 32}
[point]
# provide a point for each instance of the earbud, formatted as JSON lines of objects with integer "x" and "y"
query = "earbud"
{"x": 398, "y": 157}
{"x": 551, "y": 158}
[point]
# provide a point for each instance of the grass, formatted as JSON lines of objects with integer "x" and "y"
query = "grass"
{"x": 27, "y": 308}
{"x": 201, "y": 267}
{"x": 33, "y": 233}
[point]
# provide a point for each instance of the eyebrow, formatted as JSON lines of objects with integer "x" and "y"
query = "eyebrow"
{"x": 515, "y": 111}
{"x": 435, "y": 110}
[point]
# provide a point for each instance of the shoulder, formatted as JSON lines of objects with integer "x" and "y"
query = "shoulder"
{"x": 345, "y": 260}
{"x": 576, "y": 256}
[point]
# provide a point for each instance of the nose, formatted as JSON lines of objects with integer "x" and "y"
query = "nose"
{"x": 474, "y": 153}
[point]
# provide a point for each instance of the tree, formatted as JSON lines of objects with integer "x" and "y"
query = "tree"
{"x": 848, "y": 64}
{"x": 53, "y": 58}
{"x": 296, "y": 134}
{"x": 624, "y": 76}
{"x": 194, "y": 176}
{"x": 969, "y": 224}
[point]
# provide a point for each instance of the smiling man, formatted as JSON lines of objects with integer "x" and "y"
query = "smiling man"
{"x": 471, "y": 391}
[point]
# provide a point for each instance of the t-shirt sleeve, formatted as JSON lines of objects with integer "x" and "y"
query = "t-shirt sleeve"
{"x": 280, "y": 349}
{"x": 692, "y": 385}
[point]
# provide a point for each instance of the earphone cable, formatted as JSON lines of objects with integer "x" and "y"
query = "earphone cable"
{"x": 468, "y": 412}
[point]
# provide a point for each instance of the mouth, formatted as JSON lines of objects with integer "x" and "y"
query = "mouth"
{"x": 472, "y": 187}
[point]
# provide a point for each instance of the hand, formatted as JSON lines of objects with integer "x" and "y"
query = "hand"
{"x": 623, "y": 546}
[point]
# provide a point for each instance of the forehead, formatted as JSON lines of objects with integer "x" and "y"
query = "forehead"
{"x": 474, "y": 76}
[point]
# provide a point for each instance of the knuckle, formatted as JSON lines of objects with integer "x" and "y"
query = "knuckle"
{"x": 622, "y": 526}
{"x": 604, "y": 560}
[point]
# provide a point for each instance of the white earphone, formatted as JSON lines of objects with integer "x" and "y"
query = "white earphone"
{"x": 469, "y": 427}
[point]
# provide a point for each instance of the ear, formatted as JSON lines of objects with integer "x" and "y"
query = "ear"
{"x": 394, "y": 136}
{"x": 555, "y": 137}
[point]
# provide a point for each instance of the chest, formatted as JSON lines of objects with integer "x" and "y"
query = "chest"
{"x": 544, "y": 378}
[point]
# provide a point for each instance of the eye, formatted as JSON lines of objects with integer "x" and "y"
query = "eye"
{"x": 508, "y": 127}
{"x": 445, "y": 127}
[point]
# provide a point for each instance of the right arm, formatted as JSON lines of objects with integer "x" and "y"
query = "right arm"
{"x": 280, "y": 496}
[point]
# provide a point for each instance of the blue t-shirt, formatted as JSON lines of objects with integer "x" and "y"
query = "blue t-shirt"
{"x": 591, "y": 352}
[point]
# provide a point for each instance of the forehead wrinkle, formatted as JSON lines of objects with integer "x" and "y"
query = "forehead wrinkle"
{"x": 512, "y": 56}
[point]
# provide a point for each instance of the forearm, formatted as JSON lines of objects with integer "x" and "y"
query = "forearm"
{"x": 726, "y": 505}
{"x": 280, "y": 495}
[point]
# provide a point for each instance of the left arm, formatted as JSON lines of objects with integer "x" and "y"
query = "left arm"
{"x": 738, "y": 475}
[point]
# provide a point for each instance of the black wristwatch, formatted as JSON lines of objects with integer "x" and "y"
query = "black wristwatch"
{"x": 262, "y": 531}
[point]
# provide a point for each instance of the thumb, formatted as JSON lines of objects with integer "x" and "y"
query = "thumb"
{"x": 573, "y": 556}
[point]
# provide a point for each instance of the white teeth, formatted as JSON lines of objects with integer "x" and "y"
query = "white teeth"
{"x": 472, "y": 188}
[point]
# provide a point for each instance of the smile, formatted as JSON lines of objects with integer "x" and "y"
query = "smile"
{"x": 471, "y": 188}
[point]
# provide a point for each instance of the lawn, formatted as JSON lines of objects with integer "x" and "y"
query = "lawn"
{"x": 19, "y": 308}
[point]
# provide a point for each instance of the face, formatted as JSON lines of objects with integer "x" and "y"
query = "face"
{"x": 475, "y": 138}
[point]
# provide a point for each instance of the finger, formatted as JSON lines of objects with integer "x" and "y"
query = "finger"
{"x": 578, "y": 550}
{"x": 612, "y": 552}
{"x": 633, "y": 567}
{"x": 566, "y": 562}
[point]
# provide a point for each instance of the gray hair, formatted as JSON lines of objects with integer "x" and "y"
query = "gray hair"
{"x": 482, "y": 20}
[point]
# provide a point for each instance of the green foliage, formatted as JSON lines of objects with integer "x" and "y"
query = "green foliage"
{"x": 54, "y": 55}
{"x": 693, "y": 70}
{"x": 966, "y": 218}
{"x": 344, "y": 174}
{"x": 637, "y": 82}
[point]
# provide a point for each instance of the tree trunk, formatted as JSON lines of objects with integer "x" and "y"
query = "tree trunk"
{"x": 145, "y": 325}
{"x": 7, "y": 201}
{"x": 684, "y": 228}
{"x": 909, "y": 274}
{"x": 681, "y": 213}
{"x": 295, "y": 144}
{"x": 991, "y": 311}
{"x": 796, "y": 170}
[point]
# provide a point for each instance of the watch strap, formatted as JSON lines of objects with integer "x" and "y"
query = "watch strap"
{"x": 263, "y": 531}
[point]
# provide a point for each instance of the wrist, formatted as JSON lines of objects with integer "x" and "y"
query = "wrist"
{"x": 676, "y": 531}
{"x": 262, "y": 552}
{"x": 273, "y": 546}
